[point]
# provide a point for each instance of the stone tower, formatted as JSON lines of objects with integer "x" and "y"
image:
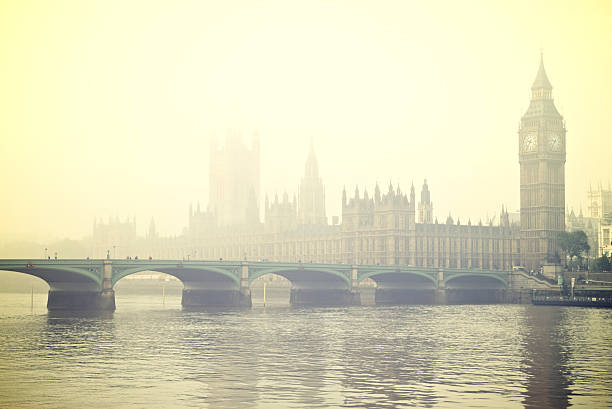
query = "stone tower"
{"x": 311, "y": 200}
{"x": 234, "y": 181}
{"x": 541, "y": 138}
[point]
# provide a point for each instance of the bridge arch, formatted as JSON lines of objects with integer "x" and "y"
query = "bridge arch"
{"x": 386, "y": 275}
{"x": 58, "y": 276}
{"x": 303, "y": 274}
{"x": 184, "y": 273}
{"x": 485, "y": 281}
{"x": 401, "y": 286}
{"x": 318, "y": 285}
{"x": 18, "y": 282}
{"x": 204, "y": 285}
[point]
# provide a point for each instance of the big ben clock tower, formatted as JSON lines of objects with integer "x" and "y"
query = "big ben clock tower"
{"x": 542, "y": 160}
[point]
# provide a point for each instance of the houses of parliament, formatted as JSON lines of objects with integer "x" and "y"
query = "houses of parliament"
{"x": 388, "y": 227}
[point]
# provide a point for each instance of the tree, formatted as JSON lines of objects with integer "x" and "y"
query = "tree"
{"x": 601, "y": 264}
{"x": 574, "y": 244}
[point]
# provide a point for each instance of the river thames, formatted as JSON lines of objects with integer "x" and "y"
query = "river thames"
{"x": 155, "y": 355}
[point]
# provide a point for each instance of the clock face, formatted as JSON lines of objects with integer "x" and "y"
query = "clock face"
{"x": 529, "y": 142}
{"x": 554, "y": 142}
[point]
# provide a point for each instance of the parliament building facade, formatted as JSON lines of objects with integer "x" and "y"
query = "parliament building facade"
{"x": 390, "y": 227}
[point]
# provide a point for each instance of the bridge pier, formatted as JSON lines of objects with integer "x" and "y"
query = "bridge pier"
{"x": 218, "y": 292}
{"x": 403, "y": 296}
{"x": 83, "y": 296}
{"x": 440, "y": 296}
{"x": 475, "y": 296}
{"x": 306, "y": 297}
{"x": 216, "y": 298}
{"x": 59, "y": 300}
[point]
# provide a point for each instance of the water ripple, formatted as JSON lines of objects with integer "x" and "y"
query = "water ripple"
{"x": 149, "y": 355}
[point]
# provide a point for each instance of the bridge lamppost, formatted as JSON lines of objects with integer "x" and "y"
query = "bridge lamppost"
{"x": 46, "y": 254}
{"x": 114, "y": 251}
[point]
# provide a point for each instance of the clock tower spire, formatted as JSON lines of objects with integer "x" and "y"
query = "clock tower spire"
{"x": 541, "y": 138}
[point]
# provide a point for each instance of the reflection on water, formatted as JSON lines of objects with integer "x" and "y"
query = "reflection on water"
{"x": 545, "y": 360}
{"x": 567, "y": 357}
{"x": 148, "y": 354}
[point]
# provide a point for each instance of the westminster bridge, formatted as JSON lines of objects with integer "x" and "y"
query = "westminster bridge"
{"x": 88, "y": 284}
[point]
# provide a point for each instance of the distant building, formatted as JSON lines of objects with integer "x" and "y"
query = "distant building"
{"x": 589, "y": 225}
{"x": 280, "y": 216}
{"x": 386, "y": 228}
{"x": 381, "y": 229}
{"x": 596, "y": 224}
{"x": 234, "y": 181}
{"x": 604, "y": 235}
{"x": 117, "y": 238}
{"x": 514, "y": 217}
{"x": 599, "y": 201}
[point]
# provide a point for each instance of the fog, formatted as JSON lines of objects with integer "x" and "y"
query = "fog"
{"x": 109, "y": 108}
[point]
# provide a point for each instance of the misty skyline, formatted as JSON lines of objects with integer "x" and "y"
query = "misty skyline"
{"x": 109, "y": 111}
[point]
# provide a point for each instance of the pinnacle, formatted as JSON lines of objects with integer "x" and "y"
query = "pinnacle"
{"x": 541, "y": 80}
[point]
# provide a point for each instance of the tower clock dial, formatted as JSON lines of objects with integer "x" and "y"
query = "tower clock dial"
{"x": 529, "y": 142}
{"x": 554, "y": 142}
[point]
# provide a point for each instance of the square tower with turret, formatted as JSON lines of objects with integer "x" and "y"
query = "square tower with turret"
{"x": 234, "y": 181}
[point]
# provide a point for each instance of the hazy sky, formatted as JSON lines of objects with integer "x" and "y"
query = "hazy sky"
{"x": 107, "y": 107}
